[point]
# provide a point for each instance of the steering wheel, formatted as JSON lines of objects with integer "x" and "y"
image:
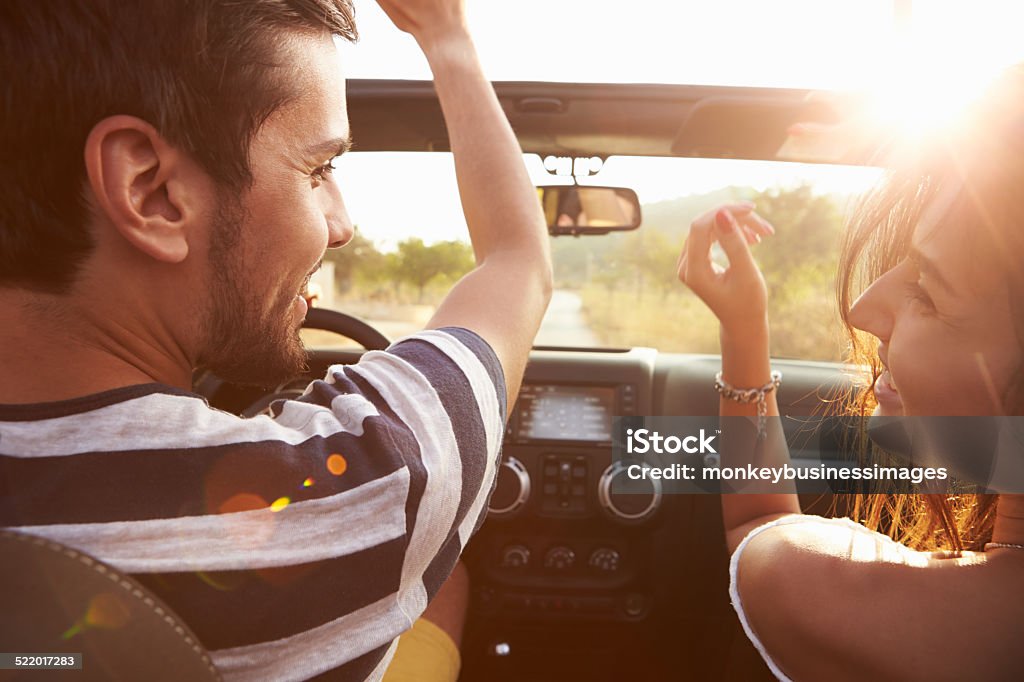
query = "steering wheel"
{"x": 346, "y": 325}
{"x": 331, "y": 321}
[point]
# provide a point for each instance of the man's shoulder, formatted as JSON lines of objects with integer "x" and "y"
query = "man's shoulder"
{"x": 451, "y": 357}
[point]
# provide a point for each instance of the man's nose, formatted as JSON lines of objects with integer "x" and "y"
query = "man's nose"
{"x": 339, "y": 225}
{"x": 339, "y": 230}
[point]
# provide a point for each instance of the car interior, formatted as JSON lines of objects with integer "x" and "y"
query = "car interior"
{"x": 570, "y": 580}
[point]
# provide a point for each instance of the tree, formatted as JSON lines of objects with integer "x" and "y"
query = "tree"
{"x": 419, "y": 264}
{"x": 809, "y": 228}
{"x": 357, "y": 260}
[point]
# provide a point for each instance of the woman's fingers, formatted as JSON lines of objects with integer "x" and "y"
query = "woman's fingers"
{"x": 733, "y": 240}
{"x": 756, "y": 223}
{"x": 695, "y": 265}
{"x": 766, "y": 227}
{"x": 735, "y": 292}
{"x": 681, "y": 262}
{"x": 751, "y": 236}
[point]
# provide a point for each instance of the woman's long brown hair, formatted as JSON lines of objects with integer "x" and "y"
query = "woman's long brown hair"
{"x": 985, "y": 159}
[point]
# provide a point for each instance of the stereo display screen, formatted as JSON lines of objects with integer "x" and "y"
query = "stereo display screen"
{"x": 579, "y": 413}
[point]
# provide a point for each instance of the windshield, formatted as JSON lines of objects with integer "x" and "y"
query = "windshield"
{"x": 612, "y": 291}
{"x": 620, "y": 290}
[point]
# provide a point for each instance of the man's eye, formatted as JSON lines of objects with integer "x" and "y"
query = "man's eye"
{"x": 320, "y": 173}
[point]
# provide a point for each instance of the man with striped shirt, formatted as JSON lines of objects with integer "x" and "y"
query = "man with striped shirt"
{"x": 166, "y": 194}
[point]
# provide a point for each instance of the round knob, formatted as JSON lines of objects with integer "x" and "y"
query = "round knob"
{"x": 605, "y": 560}
{"x": 512, "y": 489}
{"x": 559, "y": 558}
{"x": 515, "y": 556}
{"x": 635, "y": 501}
{"x": 634, "y": 605}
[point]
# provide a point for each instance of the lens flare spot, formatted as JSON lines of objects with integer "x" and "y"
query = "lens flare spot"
{"x": 308, "y": 483}
{"x": 106, "y": 610}
{"x": 279, "y": 504}
{"x": 242, "y": 502}
{"x": 336, "y": 464}
{"x": 216, "y": 582}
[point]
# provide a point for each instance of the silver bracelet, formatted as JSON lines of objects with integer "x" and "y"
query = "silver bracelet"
{"x": 750, "y": 395}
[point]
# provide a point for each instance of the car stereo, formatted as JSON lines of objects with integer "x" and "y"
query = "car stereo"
{"x": 569, "y": 413}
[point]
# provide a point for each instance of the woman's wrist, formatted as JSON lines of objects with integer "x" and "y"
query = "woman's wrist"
{"x": 745, "y": 355}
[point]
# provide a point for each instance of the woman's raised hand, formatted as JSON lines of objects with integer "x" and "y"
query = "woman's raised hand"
{"x": 736, "y": 294}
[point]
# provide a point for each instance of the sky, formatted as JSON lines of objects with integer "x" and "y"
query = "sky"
{"x": 918, "y": 68}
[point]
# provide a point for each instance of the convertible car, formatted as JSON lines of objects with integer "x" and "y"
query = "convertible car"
{"x": 571, "y": 580}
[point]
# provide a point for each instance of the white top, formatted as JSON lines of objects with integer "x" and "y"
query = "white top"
{"x": 734, "y": 563}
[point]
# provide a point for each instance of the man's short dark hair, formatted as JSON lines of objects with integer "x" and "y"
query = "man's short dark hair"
{"x": 200, "y": 71}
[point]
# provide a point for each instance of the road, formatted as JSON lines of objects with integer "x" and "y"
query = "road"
{"x": 564, "y": 324}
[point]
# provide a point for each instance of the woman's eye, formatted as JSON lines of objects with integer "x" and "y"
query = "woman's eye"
{"x": 917, "y": 294}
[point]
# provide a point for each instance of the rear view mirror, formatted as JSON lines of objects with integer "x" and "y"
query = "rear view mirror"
{"x": 577, "y": 210}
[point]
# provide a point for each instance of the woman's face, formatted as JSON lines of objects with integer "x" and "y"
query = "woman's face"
{"x": 943, "y": 323}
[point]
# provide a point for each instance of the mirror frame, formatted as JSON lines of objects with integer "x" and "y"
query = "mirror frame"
{"x": 576, "y": 230}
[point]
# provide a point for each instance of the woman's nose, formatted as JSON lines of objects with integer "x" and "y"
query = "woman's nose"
{"x": 874, "y": 310}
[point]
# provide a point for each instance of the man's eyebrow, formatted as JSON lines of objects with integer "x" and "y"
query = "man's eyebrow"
{"x": 334, "y": 147}
{"x": 929, "y": 269}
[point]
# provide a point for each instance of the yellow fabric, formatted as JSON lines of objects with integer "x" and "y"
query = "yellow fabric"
{"x": 425, "y": 654}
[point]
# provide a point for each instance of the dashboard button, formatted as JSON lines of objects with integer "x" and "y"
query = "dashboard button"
{"x": 634, "y": 502}
{"x": 604, "y": 560}
{"x": 512, "y": 489}
{"x": 634, "y": 605}
{"x": 564, "y": 471}
{"x": 559, "y": 558}
{"x": 515, "y": 556}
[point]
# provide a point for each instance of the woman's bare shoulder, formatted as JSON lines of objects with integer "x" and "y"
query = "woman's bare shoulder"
{"x": 829, "y": 598}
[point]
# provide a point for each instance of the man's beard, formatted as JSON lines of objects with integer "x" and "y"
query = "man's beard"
{"x": 244, "y": 344}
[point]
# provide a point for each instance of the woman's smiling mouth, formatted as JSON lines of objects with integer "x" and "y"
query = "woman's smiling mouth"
{"x": 886, "y": 393}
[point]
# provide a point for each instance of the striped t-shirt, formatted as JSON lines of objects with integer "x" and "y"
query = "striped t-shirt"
{"x": 292, "y": 545}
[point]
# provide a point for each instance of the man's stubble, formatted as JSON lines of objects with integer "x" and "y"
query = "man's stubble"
{"x": 243, "y": 343}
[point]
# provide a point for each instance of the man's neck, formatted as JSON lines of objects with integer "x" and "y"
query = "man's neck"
{"x": 50, "y": 350}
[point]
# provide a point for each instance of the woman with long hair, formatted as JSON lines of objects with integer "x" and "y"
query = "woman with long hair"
{"x": 931, "y": 290}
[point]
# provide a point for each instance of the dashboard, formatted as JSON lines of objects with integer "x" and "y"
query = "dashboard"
{"x": 559, "y": 552}
{"x": 569, "y": 576}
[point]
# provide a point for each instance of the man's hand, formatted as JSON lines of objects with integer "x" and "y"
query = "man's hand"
{"x": 504, "y": 298}
{"x": 428, "y": 21}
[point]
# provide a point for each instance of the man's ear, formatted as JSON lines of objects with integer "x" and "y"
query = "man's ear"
{"x": 140, "y": 184}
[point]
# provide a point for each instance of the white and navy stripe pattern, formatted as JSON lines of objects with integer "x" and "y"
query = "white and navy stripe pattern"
{"x": 153, "y": 481}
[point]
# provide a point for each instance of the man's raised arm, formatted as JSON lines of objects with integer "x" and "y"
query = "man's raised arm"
{"x": 504, "y": 298}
